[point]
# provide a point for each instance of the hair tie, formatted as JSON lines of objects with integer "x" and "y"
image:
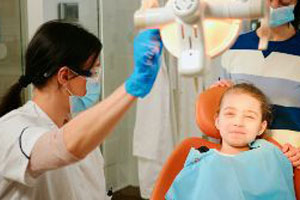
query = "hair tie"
{"x": 24, "y": 81}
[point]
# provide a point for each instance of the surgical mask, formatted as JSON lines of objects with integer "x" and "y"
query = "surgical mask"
{"x": 282, "y": 15}
{"x": 81, "y": 103}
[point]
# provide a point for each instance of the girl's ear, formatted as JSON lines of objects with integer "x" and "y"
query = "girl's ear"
{"x": 263, "y": 127}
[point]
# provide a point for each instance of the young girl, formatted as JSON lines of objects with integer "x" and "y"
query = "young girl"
{"x": 245, "y": 62}
{"x": 245, "y": 167}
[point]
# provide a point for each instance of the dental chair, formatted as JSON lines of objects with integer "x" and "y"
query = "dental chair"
{"x": 206, "y": 107}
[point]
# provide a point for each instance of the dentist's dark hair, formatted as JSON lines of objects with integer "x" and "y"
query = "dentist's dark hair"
{"x": 54, "y": 45}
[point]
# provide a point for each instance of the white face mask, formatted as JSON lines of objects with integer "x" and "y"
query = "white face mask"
{"x": 282, "y": 15}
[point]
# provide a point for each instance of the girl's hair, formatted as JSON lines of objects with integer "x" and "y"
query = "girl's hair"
{"x": 296, "y": 21}
{"x": 54, "y": 45}
{"x": 253, "y": 91}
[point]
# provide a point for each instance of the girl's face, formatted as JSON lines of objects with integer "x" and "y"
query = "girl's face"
{"x": 282, "y": 3}
{"x": 239, "y": 120}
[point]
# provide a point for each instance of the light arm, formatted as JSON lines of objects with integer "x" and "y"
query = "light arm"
{"x": 88, "y": 130}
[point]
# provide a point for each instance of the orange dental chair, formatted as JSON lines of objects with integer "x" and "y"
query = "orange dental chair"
{"x": 206, "y": 107}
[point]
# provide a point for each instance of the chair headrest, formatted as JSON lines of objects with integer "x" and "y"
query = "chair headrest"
{"x": 206, "y": 107}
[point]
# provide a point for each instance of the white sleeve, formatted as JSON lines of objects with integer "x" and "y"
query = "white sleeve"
{"x": 49, "y": 153}
{"x": 15, "y": 153}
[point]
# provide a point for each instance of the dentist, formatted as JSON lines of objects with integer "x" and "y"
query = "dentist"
{"x": 45, "y": 153}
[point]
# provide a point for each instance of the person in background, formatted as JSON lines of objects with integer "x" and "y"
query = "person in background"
{"x": 46, "y": 152}
{"x": 244, "y": 167}
{"x": 153, "y": 135}
{"x": 275, "y": 71}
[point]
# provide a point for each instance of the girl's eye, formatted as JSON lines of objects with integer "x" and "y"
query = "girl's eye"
{"x": 250, "y": 117}
{"x": 229, "y": 114}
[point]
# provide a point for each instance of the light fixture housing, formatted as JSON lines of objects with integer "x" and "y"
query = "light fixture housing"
{"x": 197, "y": 30}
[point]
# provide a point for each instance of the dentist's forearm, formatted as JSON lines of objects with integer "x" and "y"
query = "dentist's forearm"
{"x": 88, "y": 130}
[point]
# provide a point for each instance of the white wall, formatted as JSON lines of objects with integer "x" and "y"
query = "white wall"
{"x": 35, "y": 15}
{"x": 88, "y": 13}
{"x": 40, "y": 11}
{"x": 118, "y": 32}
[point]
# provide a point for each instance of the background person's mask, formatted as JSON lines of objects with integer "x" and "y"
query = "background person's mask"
{"x": 282, "y": 15}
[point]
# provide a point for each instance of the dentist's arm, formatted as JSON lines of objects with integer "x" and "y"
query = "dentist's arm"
{"x": 80, "y": 136}
{"x": 86, "y": 131}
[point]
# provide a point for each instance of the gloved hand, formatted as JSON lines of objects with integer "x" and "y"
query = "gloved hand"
{"x": 147, "y": 50}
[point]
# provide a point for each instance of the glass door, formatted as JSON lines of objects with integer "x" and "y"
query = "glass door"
{"x": 11, "y": 43}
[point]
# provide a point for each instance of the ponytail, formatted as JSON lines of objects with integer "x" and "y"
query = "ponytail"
{"x": 12, "y": 99}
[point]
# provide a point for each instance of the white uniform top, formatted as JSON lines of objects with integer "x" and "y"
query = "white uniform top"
{"x": 82, "y": 180}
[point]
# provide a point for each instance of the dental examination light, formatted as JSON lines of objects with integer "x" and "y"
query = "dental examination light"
{"x": 196, "y": 30}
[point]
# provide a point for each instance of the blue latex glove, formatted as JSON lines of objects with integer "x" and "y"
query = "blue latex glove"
{"x": 147, "y": 50}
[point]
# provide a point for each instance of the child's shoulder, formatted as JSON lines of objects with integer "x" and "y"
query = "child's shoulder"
{"x": 262, "y": 144}
{"x": 265, "y": 147}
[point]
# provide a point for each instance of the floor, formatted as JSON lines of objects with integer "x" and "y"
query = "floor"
{"x": 128, "y": 193}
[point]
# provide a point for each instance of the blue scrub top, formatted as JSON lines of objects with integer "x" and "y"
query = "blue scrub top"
{"x": 261, "y": 173}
